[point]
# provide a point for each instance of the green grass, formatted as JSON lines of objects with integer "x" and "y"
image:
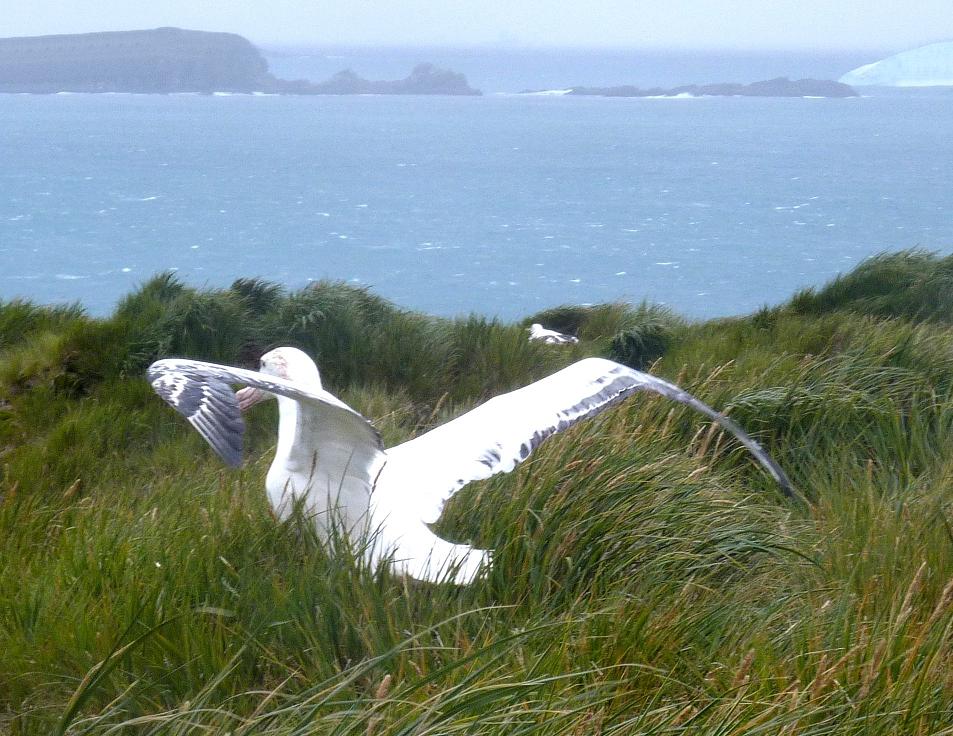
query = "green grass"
{"x": 648, "y": 579}
{"x": 913, "y": 283}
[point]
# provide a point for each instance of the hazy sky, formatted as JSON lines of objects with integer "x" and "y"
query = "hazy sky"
{"x": 746, "y": 24}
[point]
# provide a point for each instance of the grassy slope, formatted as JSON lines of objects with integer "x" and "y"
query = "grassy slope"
{"x": 648, "y": 579}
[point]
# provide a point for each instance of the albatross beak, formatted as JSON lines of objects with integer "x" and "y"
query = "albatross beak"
{"x": 249, "y": 396}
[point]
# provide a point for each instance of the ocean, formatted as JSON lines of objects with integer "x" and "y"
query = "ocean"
{"x": 500, "y": 205}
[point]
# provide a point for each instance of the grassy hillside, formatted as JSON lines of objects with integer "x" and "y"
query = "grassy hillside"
{"x": 649, "y": 578}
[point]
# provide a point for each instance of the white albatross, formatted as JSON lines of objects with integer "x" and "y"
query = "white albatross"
{"x": 330, "y": 459}
{"x": 538, "y": 333}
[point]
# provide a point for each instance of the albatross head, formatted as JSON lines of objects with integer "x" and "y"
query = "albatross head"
{"x": 288, "y": 363}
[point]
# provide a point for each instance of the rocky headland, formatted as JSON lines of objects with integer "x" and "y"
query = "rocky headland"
{"x": 174, "y": 60}
{"x": 163, "y": 60}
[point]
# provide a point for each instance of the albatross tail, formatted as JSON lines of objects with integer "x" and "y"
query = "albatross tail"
{"x": 422, "y": 555}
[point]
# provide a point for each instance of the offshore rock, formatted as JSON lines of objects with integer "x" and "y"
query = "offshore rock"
{"x": 780, "y": 87}
{"x": 425, "y": 79}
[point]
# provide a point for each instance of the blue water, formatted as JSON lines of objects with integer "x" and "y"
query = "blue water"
{"x": 501, "y": 205}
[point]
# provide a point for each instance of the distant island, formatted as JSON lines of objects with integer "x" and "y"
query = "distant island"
{"x": 174, "y": 60}
{"x": 163, "y": 60}
{"x": 780, "y": 87}
{"x": 425, "y": 79}
{"x": 926, "y": 66}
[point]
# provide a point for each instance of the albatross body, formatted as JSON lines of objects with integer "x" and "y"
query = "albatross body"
{"x": 331, "y": 463}
{"x": 538, "y": 333}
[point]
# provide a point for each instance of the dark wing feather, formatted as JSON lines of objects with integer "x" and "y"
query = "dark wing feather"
{"x": 502, "y": 432}
{"x": 202, "y": 393}
{"x": 210, "y": 406}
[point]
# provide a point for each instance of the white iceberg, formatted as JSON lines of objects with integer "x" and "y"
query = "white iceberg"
{"x": 927, "y": 66}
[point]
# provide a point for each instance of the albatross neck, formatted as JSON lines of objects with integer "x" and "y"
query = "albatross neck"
{"x": 288, "y": 416}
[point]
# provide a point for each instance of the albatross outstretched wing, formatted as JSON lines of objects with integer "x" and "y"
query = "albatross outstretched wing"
{"x": 499, "y": 434}
{"x": 202, "y": 393}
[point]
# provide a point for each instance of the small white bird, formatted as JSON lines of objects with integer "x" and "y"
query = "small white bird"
{"x": 539, "y": 333}
{"x": 330, "y": 460}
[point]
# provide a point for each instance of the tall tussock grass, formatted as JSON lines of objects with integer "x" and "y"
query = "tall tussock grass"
{"x": 648, "y": 577}
{"x": 914, "y": 284}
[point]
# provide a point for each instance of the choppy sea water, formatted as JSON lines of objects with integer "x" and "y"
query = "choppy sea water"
{"x": 501, "y": 205}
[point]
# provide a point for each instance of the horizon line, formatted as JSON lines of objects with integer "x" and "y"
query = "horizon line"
{"x": 527, "y": 46}
{"x": 515, "y": 45}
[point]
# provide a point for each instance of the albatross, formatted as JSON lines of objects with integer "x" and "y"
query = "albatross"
{"x": 330, "y": 460}
{"x": 538, "y": 333}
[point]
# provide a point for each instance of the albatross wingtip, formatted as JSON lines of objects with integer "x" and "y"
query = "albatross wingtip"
{"x": 232, "y": 458}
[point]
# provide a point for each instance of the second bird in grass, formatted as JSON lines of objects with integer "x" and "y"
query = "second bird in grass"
{"x": 331, "y": 463}
{"x": 538, "y": 333}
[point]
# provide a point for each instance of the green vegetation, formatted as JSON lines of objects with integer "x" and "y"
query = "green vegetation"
{"x": 649, "y": 578}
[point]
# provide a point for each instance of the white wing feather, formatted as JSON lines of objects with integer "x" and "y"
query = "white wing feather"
{"x": 499, "y": 434}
